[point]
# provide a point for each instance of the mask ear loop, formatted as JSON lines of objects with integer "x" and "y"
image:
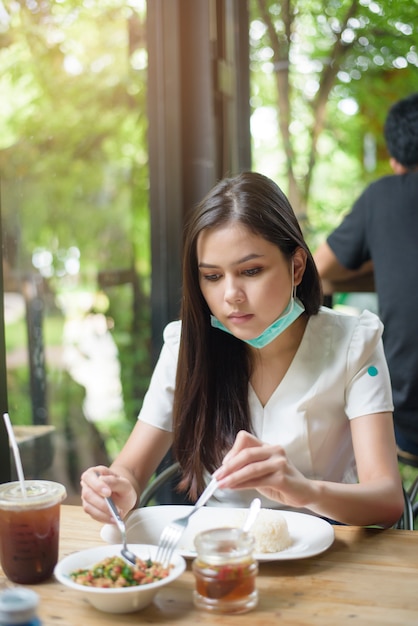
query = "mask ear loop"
{"x": 291, "y": 304}
{"x": 294, "y": 287}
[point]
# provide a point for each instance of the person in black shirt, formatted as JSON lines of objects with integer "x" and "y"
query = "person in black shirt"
{"x": 379, "y": 237}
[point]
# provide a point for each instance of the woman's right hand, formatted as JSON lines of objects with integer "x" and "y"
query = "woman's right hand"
{"x": 100, "y": 482}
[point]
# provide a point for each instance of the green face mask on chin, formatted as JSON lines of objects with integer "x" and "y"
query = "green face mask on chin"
{"x": 293, "y": 310}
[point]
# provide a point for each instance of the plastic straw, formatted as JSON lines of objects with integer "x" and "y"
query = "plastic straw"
{"x": 16, "y": 453}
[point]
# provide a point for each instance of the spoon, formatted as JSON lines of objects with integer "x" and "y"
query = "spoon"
{"x": 126, "y": 553}
{"x": 252, "y": 514}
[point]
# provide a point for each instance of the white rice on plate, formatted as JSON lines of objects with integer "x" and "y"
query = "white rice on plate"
{"x": 271, "y": 532}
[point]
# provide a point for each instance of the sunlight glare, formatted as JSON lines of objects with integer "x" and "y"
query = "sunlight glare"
{"x": 348, "y": 106}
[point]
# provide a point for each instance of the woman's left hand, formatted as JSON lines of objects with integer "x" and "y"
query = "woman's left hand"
{"x": 252, "y": 464}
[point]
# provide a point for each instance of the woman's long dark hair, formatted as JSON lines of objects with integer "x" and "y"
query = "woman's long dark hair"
{"x": 213, "y": 372}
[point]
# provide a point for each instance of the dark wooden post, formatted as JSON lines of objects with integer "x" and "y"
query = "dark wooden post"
{"x": 34, "y": 323}
{"x": 199, "y": 130}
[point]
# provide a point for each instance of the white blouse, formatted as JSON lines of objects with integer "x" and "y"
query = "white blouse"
{"x": 339, "y": 373}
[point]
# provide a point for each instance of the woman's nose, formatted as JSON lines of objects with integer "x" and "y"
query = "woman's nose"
{"x": 233, "y": 291}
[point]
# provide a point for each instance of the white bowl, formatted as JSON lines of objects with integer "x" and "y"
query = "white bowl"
{"x": 115, "y": 600}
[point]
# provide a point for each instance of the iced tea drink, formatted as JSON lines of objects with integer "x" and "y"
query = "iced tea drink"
{"x": 29, "y": 529}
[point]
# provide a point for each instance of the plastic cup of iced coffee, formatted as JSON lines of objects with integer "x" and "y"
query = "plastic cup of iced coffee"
{"x": 29, "y": 529}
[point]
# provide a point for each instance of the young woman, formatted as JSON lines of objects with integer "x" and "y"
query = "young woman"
{"x": 258, "y": 383}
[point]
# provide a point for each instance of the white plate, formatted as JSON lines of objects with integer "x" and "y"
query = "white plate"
{"x": 310, "y": 535}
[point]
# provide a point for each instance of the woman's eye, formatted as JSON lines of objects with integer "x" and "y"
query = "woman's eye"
{"x": 211, "y": 277}
{"x": 253, "y": 271}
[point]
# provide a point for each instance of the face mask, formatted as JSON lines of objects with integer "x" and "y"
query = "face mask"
{"x": 293, "y": 310}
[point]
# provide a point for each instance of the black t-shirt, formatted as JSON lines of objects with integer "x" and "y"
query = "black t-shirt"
{"x": 383, "y": 226}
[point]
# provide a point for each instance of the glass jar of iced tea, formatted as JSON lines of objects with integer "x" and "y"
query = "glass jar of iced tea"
{"x": 225, "y": 571}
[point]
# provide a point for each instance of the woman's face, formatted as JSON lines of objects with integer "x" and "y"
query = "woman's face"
{"x": 245, "y": 279}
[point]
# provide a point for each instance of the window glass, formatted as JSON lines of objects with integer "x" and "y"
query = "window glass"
{"x": 75, "y": 228}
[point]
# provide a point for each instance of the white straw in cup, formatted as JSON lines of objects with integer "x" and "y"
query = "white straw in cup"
{"x": 16, "y": 453}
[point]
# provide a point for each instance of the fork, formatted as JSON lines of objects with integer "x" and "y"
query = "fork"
{"x": 172, "y": 532}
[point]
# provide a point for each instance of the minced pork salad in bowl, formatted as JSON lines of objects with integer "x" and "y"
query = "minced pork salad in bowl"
{"x": 110, "y": 584}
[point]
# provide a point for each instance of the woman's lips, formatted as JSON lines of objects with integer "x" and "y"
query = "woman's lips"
{"x": 239, "y": 318}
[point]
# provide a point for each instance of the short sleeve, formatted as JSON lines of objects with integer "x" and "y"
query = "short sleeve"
{"x": 349, "y": 240}
{"x": 157, "y": 407}
{"x": 368, "y": 385}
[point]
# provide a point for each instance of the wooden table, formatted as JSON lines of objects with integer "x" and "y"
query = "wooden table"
{"x": 368, "y": 576}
